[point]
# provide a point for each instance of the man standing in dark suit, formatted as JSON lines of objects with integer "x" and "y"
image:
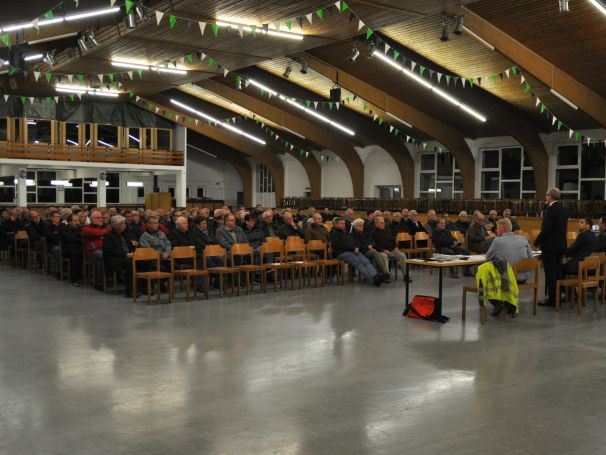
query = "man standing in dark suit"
{"x": 585, "y": 244}
{"x": 552, "y": 241}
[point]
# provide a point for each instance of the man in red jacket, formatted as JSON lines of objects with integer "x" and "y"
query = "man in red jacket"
{"x": 92, "y": 242}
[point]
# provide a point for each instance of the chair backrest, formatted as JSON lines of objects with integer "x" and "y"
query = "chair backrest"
{"x": 242, "y": 249}
{"x": 21, "y": 235}
{"x": 182, "y": 252}
{"x": 271, "y": 248}
{"x": 274, "y": 240}
{"x": 571, "y": 235}
{"x": 317, "y": 245}
{"x": 528, "y": 265}
{"x": 458, "y": 236}
{"x": 589, "y": 268}
{"x": 404, "y": 237}
{"x": 214, "y": 250}
{"x": 146, "y": 254}
{"x": 294, "y": 248}
{"x": 422, "y": 239}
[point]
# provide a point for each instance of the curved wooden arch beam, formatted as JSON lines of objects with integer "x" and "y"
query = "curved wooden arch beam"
{"x": 550, "y": 75}
{"x": 316, "y": 133}
{"x": 233, "y": 158}
{"x": 252, "y": 149}
{"x": 445, "y": 134}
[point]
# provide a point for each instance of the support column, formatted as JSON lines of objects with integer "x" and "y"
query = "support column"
{"x": 180, "y": 186}
{"x": 101, "y": 189}
{"x": 22, "y": 188}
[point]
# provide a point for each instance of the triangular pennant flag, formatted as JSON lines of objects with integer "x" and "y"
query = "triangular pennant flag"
{"x": 202, "y": 26}
{"x": 588, "y": 140}
{"x": 288, "y": 23}
{"x": 308, "y": 103}
{"x": 390, "y": 128}
{"x": 493, "y": 78}
{"x": 49, "y": 14}
{"x": 137, "y": 98}
{"x": 306, "y": 154}
{"x": 23, "y": 99}
{"x": 320, "y": 13}
{"x": 522, "y": 79}
{"x": 112, "y": 2}
{"x": 111, "y": 77}
{"x": 202, "y": 56}
{"x": 253, "y": 28}
{"x": 35, "y": 24}
{"x": 37, "y": 75}
{"x": 431, "y": 73}
{"x": 537, "y": 102}
{"x": 421, "y": 69}
{"x": 387, "y": 47}
{"x": 225, "y": 72}
{"x": 560, "y": 124}
{"x": 6, "y": 39}
{"x": 413, "y": 65}
{"x": 31, "y": 100}
{"x": 374, "y": 117}
{"x": 338, "y": 5}
{"x": 157, "y": 110}
{"x": 330, "y": 105}
{"x": 514, "y": 69}
{"x": 471, "y": 81}
{"x": 570, "y": 133}
{"x": 129, "y": 5}
{"x": 56, "y": 99}
{"x": 424, "y": 145}
{"x": 337, "y": 105}
{"x": 439, "y": 77}
{"x": 309, "y": 17}
{"x": 360, "y": 25}
{"x": 49, "y": 100}
{"x": 241, "y": 31}
{"x": 507, "y": 73}
{"x": 479, "y": 81}
{"x": 315, "y": 105}
{"x": 159, "y": 16}
{"x": 190, "y": 58}
{"x": 527, "y": 88}
{"x": 177, "y": 118}
{"x": 369, "y": 32}
{"x": 70, "y": 77}
{"x": 381, "y": 120}
{"x": 100, "y": 76}
{"x": 344, "y": 7}
{"x": 48, "y": 76}
{"x": 463, "y": 80}
{"x": 553, "y": 120}
{"x": 300, "y": 22}
{"x": 172, "y": 20}
{"x": 140, "y": 73}
{"x": 577, "y": 136}
{"x": 196, "y": 121}
{"x": 407, "y": 138}
{"x": 396, "y": 54}
{"x": 543, "y": 107}
{"x": 130, "y": 74}
{"x": 211, "y": 61}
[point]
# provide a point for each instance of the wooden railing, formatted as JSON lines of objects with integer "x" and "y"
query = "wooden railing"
{"x": 520, "y": 207}
{"x": 97, "y": 154}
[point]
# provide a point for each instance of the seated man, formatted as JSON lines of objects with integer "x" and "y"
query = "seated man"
{"x": 35, "y": 231}
{"x": 477, "y": 234}
{"x": 385, "y": 243}
{"x": 254, "y": 235}
{"x": 118, "y": 252}
{"x": 365, "y": 243}
{"x": 316, "y": 230}
{"x": 397, "y": 225}
{"x": 585, "y": 244}
{"x": 71, "y": 241}
{"x": 509, "y": 247}
{"x": 289, "y": 228}
{"x": 53, "y": 239}
{"x": 229, "y": 234}
{"x": 154, "y": 238}
{"x": 92, "y": 242}
{"x": 462, "y": 224}
{"x": 344, "y": 248}
{"x": 443, "y": 240}
{"x": 432, "y": 221}
{"x": 413, "y": 223}
{"x": 514, "y": 224}
{"x": 602, "y": 235}
{"x": 182, "y": 236}
{"x": 492, "y": 220}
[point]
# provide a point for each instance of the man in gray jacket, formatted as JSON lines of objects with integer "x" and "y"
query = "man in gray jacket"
{"x": 229, "y": 234}
{"x": 509, "y": 247}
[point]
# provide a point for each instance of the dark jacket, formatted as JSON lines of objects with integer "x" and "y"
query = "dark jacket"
{"x": 383, "y": 240}
{"x": 341, "y": 242}
{"x": 414, "y": 227}
{"x": 254, "y": 236}
{"x": 36, "y": 231}
{"x": 114, "y": 255}
{"x": 53, "y": 235}
{"x": 201, "y": 239}
{"x": 476, "y": 234}
{"x": 602, "y": 242}
{"x": 442, "y": 239}
{"x": 135, "y": 230}
{"x": 71, "y": 238}
{"x": 552, "y": 237}
{"x": 180, "y": 238}
{"x": 270, "y": 229}
{"x": 461, "y": 226}
{"x": 396, "y": 227}
{"x": 362, "y": 240}
{"x": 317, "y": 232}
{"x": 515, "y": 226}
{"x": 585, "y": 244}
{"x": 288, "y": 231}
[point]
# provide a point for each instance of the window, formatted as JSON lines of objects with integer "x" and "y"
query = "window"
{"x": 506, "y": 173}
{"x": 73, "y": 194}
{"x": 134, "y": 138}
{"x": 39, "y": 131}
{"x": 90, "y": 191}
{"x": 163, "y": 139}
{"x": 440, "y": 178}
{"x": 7, "y": 189}
{"x": 3, "y": 129}
{"x": 187, "y": 192}
{"x": 581, "y": 171}
{"x": 200, "y": 192}
{"x": 71, "y": 133}
{"x": 265, "y": 182}
{"x": 107, "y": 135}
{"x": 40, "y": 189}
{"x": 113, "y": 188}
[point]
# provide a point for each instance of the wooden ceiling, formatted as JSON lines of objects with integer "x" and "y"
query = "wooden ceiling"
{"x": 575, "y": 42}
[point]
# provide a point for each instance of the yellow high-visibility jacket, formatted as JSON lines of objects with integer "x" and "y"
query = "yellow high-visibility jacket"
{"x": 493, "y": 286}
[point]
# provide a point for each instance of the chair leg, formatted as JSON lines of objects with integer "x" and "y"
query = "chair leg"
{"x": 171, "y": 285}
{"x": 557, "y": 307}
{"x": 535, "y": 302}
{"x": 188, "y": 278}
{"x": 464, "y": 305}
{"x": 148, "y": 291}
{"x": 595, "y": 299}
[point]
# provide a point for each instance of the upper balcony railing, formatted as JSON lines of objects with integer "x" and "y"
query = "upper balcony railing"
{"x": 95, "y": 154}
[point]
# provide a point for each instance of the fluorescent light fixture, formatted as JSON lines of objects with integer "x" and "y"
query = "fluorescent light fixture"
{"x": 99, "y": 12}
{"x": 478, "y": 38}
{"x": 430, "y": 86}
{"x": 134, "y": 138}
{"x": 563, "y": 98}
{"x": 31, "y": 122}
{"x": 86, "y": 91}
{"x": 261, "y": 30}
{"x": 138, "y": 66}
{"x": 95, "y": 184}
{"x": 303, "y": 108}
{"x": 12, "y": 28}
{"x": 72, "y": 142}
{"x": 201, "y": 151}
{"x": 434, "y": 190}
{"x": 395, "y": 117}
{"x": 52, "y": 38}
{"x": 598, "y": 5}
{"x": 87, "y": 143}
{"x": 104, "y": 143}
{"x": 33, "y": 57}
{"x": 28, "y": 182}
{"x": 292, "y": 132}
{"x": 212, "y": 119}
{"x": 61, "y": 183}
{"x": 135, "y": 184}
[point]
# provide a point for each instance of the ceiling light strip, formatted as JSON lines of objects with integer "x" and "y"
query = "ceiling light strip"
{"x": 86, "y": 91}
{"x": 598, "y": 5}
{"x": 212, "y": 119}
{"x": 58, "y": 20}
{"x": 303, "y": 108}
{"x": 260, "y": 30}
{"x": 138, "y": 66}
{"x": 430, "y": 86}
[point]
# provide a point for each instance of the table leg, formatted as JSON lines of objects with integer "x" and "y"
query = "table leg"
{"x": 407, "y": 284}
{"x": 440, "y": 291}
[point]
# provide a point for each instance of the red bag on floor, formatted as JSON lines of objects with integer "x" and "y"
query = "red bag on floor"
{"x": 425, "y": 307}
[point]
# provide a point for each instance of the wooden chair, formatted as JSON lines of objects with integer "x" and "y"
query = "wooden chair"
{"x": 276, "y": 266}
{"x": 187, "y": 253}
{"x": 248, "y": 266}
{"x": 42, "y": 255}
{"x": 20, "y": 250}
{"x": 295, "y": 253}
{"x": 63, "y": 261}
{"x": 422, "y": 244}
{"x": 602, "y": 275}
{"x": 588, "y": 277}
{"x": 114, "y": 277}
{"x": 149, "y": 254}
{"x": 219, "y": 251}
{"x": 460, "y": 238}
{"x": 318, "y": 246}
{"x": 405, "y": 244}
{"x": 529, "y": 265}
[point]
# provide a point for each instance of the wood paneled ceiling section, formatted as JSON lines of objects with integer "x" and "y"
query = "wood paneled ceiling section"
{"x": 575, "y": 42}
{"x": 465, "y": 56}
{"x": 318, "y": 84}
{"x": 398, "y": 85}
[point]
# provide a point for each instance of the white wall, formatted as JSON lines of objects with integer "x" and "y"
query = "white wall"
{"x": 296, "y": 181}
{"x": 336, "y": 181}
{"x": 379, "y": 169}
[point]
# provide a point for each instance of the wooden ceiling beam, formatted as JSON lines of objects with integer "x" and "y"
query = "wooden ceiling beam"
{"x": 318, "y": 134}
{"x": 550, "y": 75}
{"x": 258, "y": 152}
{"x": 445, "y": 134}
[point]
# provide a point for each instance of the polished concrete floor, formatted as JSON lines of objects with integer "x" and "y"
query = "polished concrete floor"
{"x": 334, "y": 370}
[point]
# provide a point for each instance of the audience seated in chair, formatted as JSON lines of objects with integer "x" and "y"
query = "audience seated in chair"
{"x": 585, "y": 244}
{"x": 509, "y": 247}
{"x": 92, "y": 242}
{"x": 118, "y": 247}
{"x": 71, "y": 240}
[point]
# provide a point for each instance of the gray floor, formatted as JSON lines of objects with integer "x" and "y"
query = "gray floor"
{"x": 335, "y": 370}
